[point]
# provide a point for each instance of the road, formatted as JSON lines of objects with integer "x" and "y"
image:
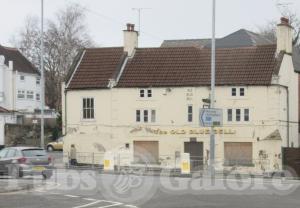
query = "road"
{"x": 90, "y": 189}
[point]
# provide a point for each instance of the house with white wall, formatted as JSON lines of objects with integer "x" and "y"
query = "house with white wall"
{"x": 145, "y": 102}
{"x": 19, "y": 86}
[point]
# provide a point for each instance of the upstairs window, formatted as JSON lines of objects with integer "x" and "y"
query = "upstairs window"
{"x": 145, "y": 93}
{"x": 21, "y": 94}
{"x": 22, "y": 78}
{"x": 233, "y": 91}
{"x": 246, "y": 115}
{"x": 238, "y": 114}
{"x": 153, "y": 116}
{"x": 190, "y": 113}
{"x": 142, "y": 93}
{"x": 29, "y": 95}
{"x": 146, "y": 116}
{"x": 149, "y": 93}
{"x": 138, "y": 116}
{"x": 88, "y": 108}
{"x": 242, "y": 92}
{"x": 229, "y": 115}
{"x": 38, "y": 81}
{"x": 38, "y": 96}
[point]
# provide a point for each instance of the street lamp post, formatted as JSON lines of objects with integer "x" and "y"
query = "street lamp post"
{"x": 212, "y": 93}
{"x": 42, "y": 74}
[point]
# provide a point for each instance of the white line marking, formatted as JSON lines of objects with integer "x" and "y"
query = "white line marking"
{"x": 112, "y": 205}
{"x": 71, "y": 196}
{"x": 86, "y": 205}
{"x": 131, "y": 206}
{"x": 89, "y": 199}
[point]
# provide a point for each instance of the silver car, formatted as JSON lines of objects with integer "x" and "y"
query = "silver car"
{"x": 22, "y": 161}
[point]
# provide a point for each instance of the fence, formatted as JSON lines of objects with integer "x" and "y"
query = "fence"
{"x": 171, "y": 162}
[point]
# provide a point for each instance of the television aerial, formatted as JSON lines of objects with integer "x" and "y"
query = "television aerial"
{"x": 283, "y": 7}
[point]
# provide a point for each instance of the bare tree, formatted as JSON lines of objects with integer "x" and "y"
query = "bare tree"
{"x": 63, "y": 38}
{"x": 269, "y": 30}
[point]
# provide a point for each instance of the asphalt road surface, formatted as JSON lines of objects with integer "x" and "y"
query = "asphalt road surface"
{"x": 89, "y": 189}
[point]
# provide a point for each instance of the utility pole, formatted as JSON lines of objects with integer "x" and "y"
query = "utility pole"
{"x": 139, "y": 10}
{"x": 212, "y": 93}
{"x": 42, "y": 75}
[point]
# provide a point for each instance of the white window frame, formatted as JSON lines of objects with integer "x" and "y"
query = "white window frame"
{"x": 22, "y": 80}
{"x": 38, "y": 81}
{"x": 38, "y": 96}
{"x": 29, "y": 93}
{"x": 153, "y": 115}
{"x": 240, "y": 91}
{"x": 149, "y": 93}
{"x": 230, "y": 110}
{"x": 91, "y": 109}
{"x": 138, "y": 117}
{"x": 232, "y": 90}
{"x": 145, "y": 93}
{"x": 23, "y": 93}
{"x": 190, "y": 114}
{"x": 142, "y": 93}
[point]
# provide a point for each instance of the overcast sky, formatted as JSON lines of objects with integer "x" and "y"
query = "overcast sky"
{"x": 165, "y": 19}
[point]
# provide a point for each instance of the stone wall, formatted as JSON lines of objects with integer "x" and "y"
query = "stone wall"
{"x": 16, "y": 134}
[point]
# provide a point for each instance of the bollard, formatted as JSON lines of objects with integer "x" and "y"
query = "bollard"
{"x": 185, "y": 164}
{"x": 109, "y": 162}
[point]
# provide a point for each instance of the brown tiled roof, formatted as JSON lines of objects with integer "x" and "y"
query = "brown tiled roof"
{"x": 158, "y": 67}
{"x": 97, "y": 66}
{"x": 20, "y": 63}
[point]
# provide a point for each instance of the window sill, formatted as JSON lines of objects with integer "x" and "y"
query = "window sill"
{"x": 88, "y": 120}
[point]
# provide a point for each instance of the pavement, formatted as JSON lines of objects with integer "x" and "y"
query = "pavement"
{"x": 82, "y": 188}
{"x": 69, "y": 188}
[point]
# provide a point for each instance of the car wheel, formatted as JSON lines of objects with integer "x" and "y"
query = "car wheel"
{"x": 50, "y": 148}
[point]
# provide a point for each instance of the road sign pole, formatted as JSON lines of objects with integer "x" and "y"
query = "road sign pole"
{"x": 212, "y": 94}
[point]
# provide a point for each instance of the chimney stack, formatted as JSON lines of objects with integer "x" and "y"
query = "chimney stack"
{"x": 130, "y": 39}
{"x": 284, "y": 36}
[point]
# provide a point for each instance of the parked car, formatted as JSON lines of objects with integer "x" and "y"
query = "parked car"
{"x": 56, "y": 146}
{"x": 22, "y": 161}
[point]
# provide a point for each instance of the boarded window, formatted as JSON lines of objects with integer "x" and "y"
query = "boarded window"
{"x": 145, "y": 152}
{"x": 238, "y": 153}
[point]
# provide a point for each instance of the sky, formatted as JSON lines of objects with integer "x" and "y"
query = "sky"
{"x": 161, "y": 20}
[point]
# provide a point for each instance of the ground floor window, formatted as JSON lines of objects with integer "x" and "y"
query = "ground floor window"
{"x": 238, "y": 153}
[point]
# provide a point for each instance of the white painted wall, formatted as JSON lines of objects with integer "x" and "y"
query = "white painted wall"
{"x": 115, "y": 118}
{"x": 29, "y": 84}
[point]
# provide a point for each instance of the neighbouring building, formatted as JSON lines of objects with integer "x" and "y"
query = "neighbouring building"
{"x": 20, "y": 90}
{"x": 6, "y": 117}
{"x": 146, "y": 101}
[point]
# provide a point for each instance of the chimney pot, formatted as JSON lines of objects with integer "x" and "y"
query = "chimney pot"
{"x": 285, "y": 21}
{"x": 128, "y": 26}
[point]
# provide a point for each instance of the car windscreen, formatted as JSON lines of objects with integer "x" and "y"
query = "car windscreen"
{"x": 34, "y": 152}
